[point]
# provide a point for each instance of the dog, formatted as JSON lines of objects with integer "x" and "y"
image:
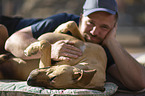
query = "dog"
{"x": 87, "y": 71}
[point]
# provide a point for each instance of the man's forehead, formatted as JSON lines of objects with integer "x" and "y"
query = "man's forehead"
{"x": 103, "y": 21}
{"x": 101, "y": 13}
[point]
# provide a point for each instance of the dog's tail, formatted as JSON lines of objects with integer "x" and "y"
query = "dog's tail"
{"x": 4, "y": 57}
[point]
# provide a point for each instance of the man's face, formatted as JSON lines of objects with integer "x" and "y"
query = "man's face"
{"x": 96, "y": 26}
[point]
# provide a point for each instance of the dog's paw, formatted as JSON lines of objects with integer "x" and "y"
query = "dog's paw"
{"x": 32, "y": 49}
{"x": 35, "y": 47}
{"x": 61, "y": 29}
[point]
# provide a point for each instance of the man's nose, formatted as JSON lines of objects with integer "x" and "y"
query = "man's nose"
{"x": 95, "y": 31}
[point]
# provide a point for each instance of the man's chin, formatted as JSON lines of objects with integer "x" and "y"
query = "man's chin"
{"x": 92, "y": 41}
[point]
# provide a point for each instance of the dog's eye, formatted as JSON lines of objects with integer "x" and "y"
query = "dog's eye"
{"x": 52, "y": 78}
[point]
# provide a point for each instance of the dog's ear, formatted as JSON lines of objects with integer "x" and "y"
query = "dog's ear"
{"x": 84, "y": 77}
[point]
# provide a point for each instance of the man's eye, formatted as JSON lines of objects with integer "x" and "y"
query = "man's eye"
{"x": 105, "y": 27}
{"x": 90, "y": 23}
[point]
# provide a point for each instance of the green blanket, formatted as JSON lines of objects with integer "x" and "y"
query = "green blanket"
{"x": 20, "y": 88}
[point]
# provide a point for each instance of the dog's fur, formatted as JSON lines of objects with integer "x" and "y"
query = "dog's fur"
{"x": 87, "y": 71}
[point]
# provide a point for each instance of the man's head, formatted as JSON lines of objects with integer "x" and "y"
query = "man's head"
{"x": 99, "y": 17}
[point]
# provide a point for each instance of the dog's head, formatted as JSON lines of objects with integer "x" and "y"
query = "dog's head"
{"x": 60, "y": 76}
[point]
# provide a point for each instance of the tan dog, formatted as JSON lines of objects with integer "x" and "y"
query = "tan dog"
{"x": 87, "y": 71}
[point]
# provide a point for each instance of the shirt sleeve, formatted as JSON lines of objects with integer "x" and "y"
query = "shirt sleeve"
{"x": 51, "y": 23}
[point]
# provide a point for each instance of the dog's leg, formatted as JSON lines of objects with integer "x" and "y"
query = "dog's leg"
{"x": 70, "y": 26}
{"x": 45, "y": 60}
{"x": 4, "y": 57}
{"x": 3, "y": 37}
{"x": 45, "y": 48}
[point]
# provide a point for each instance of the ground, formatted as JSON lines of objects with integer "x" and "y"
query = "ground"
{"x": 134, "y": 45}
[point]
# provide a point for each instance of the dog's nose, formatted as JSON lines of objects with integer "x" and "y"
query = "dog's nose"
{"x": 30, "y": 81}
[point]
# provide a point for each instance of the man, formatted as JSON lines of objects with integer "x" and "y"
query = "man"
{"x": 97, "y": 24}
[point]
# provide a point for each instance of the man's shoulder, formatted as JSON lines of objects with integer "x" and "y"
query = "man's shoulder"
{"x": 64, "y": 17}
{"x": 68, "y": 15}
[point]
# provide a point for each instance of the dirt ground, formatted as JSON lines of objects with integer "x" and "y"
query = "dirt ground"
{"x": 132, "y": 43}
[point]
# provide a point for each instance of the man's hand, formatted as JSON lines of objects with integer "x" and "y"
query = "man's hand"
{"x": 64, "y": 50}
{"x": 110, "y": 36}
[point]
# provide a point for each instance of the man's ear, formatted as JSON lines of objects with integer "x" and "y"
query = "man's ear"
{"x": 80, "y": 19}
{"x": 81, "y": 15}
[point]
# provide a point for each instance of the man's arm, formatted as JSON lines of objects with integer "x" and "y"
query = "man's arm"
{"x": 17, "y": 43}
{"x": 127, "y": 69}
{"x": 22, "y": 38}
